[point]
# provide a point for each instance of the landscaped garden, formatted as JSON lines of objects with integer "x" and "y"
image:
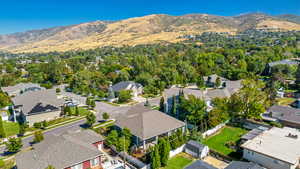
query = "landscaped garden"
{"x": 179, "y": 161}
{"x": 225, "y": 140}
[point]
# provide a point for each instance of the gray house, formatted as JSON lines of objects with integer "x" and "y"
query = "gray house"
{"x": 147, "y": 125}
{"x": 136, "y": 88}
{"x": 243, "y": 165}
{"x": 21, "y": 88}
{"x": 286, "y": 115}
{"x": 38, "y": 106}
{"x": 196, "y": 149}
{"x": 200, "y": 165}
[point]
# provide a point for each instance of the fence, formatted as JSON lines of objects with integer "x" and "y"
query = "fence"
{"x": 213, "y": 130}
{"x": 177, "y": 151}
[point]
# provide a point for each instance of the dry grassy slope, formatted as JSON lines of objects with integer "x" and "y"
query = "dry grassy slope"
{"x": 133, "y": 31}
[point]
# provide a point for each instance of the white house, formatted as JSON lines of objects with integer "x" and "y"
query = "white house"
{"x": 276, "y": 148}
{"x": 136, "y": 88}
{"x": 196, "y": 149}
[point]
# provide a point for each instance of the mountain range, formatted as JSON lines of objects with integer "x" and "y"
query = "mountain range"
{"x": 148, "y": 29}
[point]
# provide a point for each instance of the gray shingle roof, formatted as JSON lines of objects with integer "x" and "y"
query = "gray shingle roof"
{"x": 36, "y": 102}
{"x": 283, "y": 62}
{"x": 243, "y": 165}
{"x": 125, "y": 85}
{"x": 147, "y": 123}
{"x": 285, "y": 113}
{"x": 58, "y": 151}
{"x": 200, "y": 165}
{"x": 21, "y": 86}
{"x": 195, "y": 146}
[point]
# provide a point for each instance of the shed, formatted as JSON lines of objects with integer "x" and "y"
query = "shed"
{"x": 196, "y": 149}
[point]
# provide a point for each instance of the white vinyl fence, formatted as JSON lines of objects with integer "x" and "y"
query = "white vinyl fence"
{"x": 177, "y": 151}
{"x": 213, "y": 130}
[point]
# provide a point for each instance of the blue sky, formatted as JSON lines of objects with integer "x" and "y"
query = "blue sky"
{"x": 21, "y": 15}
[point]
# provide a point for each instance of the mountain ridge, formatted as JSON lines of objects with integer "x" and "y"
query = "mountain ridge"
{"x": 149, "y": 29}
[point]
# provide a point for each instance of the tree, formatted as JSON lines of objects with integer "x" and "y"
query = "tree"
{"x": 164, "y": 150}
{"x": 45, "y": 124}
{"x": 4, "y": 100}
{"x": 38, "y": 136}
{"x": 126, "y": 132}
{"x": 57, "y": 90}
{"x": 155, "y": 158}
{"x": 90, "y": 119}
{"x": 2, "y": 130}
{"x": 123, "y": 144}
{"x": 124, "y": 96}
{"x": 14, "y": 145}
{"x": 162, "y": 104}
{"x": 250, "y": 101}
{"x": 92, "y": 103}
{"x": 112, "y": 138}
{"x": 22, "y": 129}
{"x": 220, "y": 112}
{"x": 50, "y": 167}
{"x": 200, "y": 82}
{"x": 105, "y": 116}
{"x": 174, "y": 107}
{"x": 77, "y": 113}
{"x": 218, "y": 82}
{"x": 298, "y": 78}
{"x": 67, "y": 110}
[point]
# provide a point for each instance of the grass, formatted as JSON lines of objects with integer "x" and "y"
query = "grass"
{"x": 179, "y": 161}
{"x": 285, "y": 101}
{"x": 103, "y": 123}
{"x": 82, "y": 111}
{"x": 227, "y": 134}
{"x": 11, "y": 128}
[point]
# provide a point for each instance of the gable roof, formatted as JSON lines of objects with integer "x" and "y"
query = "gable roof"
{"x": 199, "y": 164}
{"x": 59, "y": 151}
{"x": 285, "y": 113}
{"x": 284, "y": 62}
{"x": 21, "y": 86}
{"x": 35, "y": 102}
{"x": 125, "y": 85}
{"x": 195, "y": 146}
{"x": 146, "y": 123}
{"x": 243, "y": 165}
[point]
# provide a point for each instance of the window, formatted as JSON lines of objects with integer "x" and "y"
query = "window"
{"x": 79, "y": 166}
{"x": 95, "y": 162}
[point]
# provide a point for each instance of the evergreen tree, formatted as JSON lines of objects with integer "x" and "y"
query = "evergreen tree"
{"x": 105, "y": 116}
{"x": 50, "y": 167}
{"x": 155, "y": 158}
{"x": 164, "y": 149}
{"x": 90, "y": 119}
{"x": 14, "y": 145}
{"x": 2, "y": 131}
{"x": 218, "y": 82}
{"x": 298, "y": 78}
{"x": 38, "y": 136}
{"x": 112, "y": 138}
{"x": 174, "y": 107}
{"x": 77, "y": 111}
{"x": 162, "y": 104}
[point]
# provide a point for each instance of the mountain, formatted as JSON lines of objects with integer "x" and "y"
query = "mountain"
{"x": 291, "y": 18}
{"x": 139, "y": 30}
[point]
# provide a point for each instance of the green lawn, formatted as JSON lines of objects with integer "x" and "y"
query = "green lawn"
{"x": 82, "y": 111}
{"x": 11, "y": 128}
{"x": 227, "y": 134}
{"x": 178, "y": 162}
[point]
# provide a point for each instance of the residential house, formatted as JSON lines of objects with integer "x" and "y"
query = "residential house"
{"x": 196, "y": 149}
{"x": 243, "y": 165}
{"x": 276, "y": 148}
{"x": 286, "y": 115}
{"x": 77, "y": 150}
{"x": 136, "y": 88}
{"x": 210, "y": 81}
{"x": 199, "y": 164}
{"x": 269, "y": 66}
{"x": 21, "y": 88}
{"x": 37, "y": 106}
{"x": 147, "y": 125}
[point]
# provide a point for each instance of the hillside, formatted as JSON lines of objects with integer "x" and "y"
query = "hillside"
{"x": 140, "y": 30}
{"x": 291, "y": 18}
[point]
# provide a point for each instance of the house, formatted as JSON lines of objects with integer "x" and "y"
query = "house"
{"x": 37, "y": 106}
{"x": 199, "y": 164}
{"x": 196, "y": 149}
{"x": 286, "y": 115}
{"x": 68, "y": 151}
{"x": 276, "y": 148}
{"x": 210, "y": 81}
{"x": 21, "y": 88}
{"x": 269, "y": 66}
{"x": 4, "y": 115}
{"x": 243, "y": 165}
{"x": 147, "y": 125}
{"x": 136, "y": 88}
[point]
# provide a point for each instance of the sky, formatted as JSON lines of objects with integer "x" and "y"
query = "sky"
{"x": 22, "y": 15}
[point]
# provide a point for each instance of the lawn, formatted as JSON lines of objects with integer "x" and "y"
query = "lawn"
{"x": 227, "y": 134}
{"x": 11, "y": 128}
{"x": 82, "y": 111}
{"x": 179, "y": 161}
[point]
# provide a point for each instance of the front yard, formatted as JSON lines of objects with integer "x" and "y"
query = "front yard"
{"x": 10, "y": 128}
{"x": 227, "y": 136}
{"x": 179, "y": 161}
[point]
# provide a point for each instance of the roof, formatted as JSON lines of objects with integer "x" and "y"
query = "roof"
{"x": 133, "y": 161}
{"x": 200, "y": 165}
{"x": 285, "y": 113}
{"x": 283, "y": 62}
{"x": 277, "y": 143}
{"x": 213, "y": 78}
{"x": 243, "y": 165}
{"x": 35, "y": 102}
{"x": 125, "y": 85}
{"x": 192, "y": 145}
{"x": 58, "y": 151}
{"x": 21, "y": 86}
{"x": 253, "y": 133}
{"x": 146, "y": 123}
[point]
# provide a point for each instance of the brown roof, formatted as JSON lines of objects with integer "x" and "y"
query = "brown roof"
{"x": 146, "y": 123}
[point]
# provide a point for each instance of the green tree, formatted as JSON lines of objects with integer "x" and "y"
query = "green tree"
{"x": 112, "y": 138}
{"x": 14, "y": 145}
{"x": 155, "y": 158}
{"x": 57, "y": 90}
{"x": 124, "y": 96}
{"x": 164, "y": 150}
{"x": 174, "y": 107}
{"x": 45, "y": 124}
{"x": 200, "y": 82}
{"x": 162, "y": 104}
{"x": 22, "y": 129}
{"x": 298, "y": 78}
{"x": 218, "y": 82}
{"x": 4, "y": 100}
{"x": 2, "y": 130}
{"x": 67, "y": 110}
{"x": 38, "y": 136}
{"x": 123, "y": 144}
{"x": 50, "y": 167}
{"x": 90, "y": 119}
{"x": 77, "y": 113}
{"x": 105, "y": 116}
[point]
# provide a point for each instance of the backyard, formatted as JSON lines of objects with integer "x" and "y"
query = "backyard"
{"x": 227, "y": 136}
{"x": 179, "y": 161}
